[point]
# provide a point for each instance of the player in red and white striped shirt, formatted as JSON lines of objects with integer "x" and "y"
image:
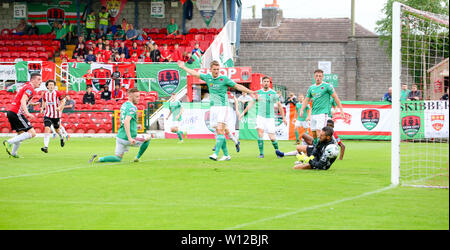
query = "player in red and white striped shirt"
{"x": 52, "y": 106}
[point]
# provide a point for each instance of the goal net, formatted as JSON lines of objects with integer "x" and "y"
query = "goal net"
{"x": 420, "y": 66}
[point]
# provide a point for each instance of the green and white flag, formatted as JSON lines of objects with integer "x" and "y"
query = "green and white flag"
{"x": 221, "y": 49}
{"x": 165, "y": 78}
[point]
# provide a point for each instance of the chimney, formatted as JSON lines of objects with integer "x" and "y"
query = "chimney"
{"x": 271, "y": 15}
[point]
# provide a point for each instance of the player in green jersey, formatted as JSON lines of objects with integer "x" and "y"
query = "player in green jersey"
{"x": 320, "y": 94}
{"x": 265, "y": 119}
{"x": 301, "y": 122}
{"x": 127, "y": 134}
{"x": 218, "y": 86}
{"x": 176, "y": 110}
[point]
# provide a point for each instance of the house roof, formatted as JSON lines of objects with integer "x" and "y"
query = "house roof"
{"x": 303, "y": 30}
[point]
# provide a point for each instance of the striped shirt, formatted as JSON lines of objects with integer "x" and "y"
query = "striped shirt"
{"x": 52, "y": 103}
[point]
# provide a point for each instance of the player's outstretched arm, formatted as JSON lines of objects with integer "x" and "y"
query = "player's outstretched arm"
{"x": 341, "y": 155}
{"x": 189, "y": 71}
{"x": 242, "y": 88}
{"x": 280, "y": 107}
{"x": 338, "y": 102}
{"x": 305, "y": 102}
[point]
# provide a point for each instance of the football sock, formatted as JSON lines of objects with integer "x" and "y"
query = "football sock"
{"x": 63, "y": 130}
{"x": 292, "y": 153}
{"x": 224, "y": 148}
{"x": 111, "y": 158}
{"x": 232, "y": 137}
{"x": 297, "y": 135}
{"x": 220, "y": 139}
{"x": 46, "y": 140}
{"x": 261, "y": 146}
{"x": 20, "y": 138}
{"x": 180, "y": 135}
{"x": 15, "y": 147}
{"x": 275, "y": 144}
{"x": 142, "y": 149}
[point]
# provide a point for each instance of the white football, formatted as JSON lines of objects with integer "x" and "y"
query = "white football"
{"x": 332, "y": 151}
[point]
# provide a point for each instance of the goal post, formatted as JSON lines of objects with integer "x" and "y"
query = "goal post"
{"x": 420, "y": 120}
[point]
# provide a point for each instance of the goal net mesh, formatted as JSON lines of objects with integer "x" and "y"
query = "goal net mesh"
{"x": 424, "y": 116}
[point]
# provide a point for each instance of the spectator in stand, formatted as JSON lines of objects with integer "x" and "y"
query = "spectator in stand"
{"x": 122, "y": 58}
{"x": 107, "y": 53}
{"x": 99, "y": 48}
{"x": 124, "y": 50}
{"x": 89, "y": 97}
{"x": 131, "y": 34}
{"x": 415, "y": 94}
{"x": 109, "y": 36}
{"x": 166, "y": 54}
{"x": 90, "y": 57}
{"x": 101, "y": 35}
{"x": 118, "y": 93}
{"x": 155, "y": 54}
{"x": 79, "y": 42}
{"x": 135, "y": 48}
{"x": 90, "y": 24}
{"x": 33, "y": 30}
{"x": 88, "y": 77}
{"x": 103, "y": 20}
{"x": 63, "y": 55}
{"x": 80, "y": 51}
{"x": 93, "y": 36}
{"x": 291, "y": 99}
{"x": 106, "y": 94}
{"x": 172, "y": 28}
{"x": 80, "y": 59}
{"x": 445, "y": 96}
{"x": 119, "y": 35}
{"x": 69, "y": 29}
{"x": 115, "y": 76}
{"x": 134, "y": 58}
{"x": 100, "y": 58}
{"x": 147, "y": 57}
{"x": 404, "y": 92}
{"x": 176, "y": 53}
{"x": 125, "y": 26}
{"x": 116, "y": 57}
{"x": 70, "y": 104}
{"x": 186, "y": 56}
{"x": 115, "y": 48}
{"x": 388, "y": 96}
{"x": 127, "y": 82}
{"x": 21, "y": 27}
{"x": 196, "y": 47}
{"x": 61, "y": 34}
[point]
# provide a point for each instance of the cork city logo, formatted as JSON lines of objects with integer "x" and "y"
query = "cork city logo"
{"x": 370, "y": 118}
{"x": 34, "y": 68}
{"x": 245, "y": 75}
{"x": 437, "y": 122}
{"x": 55, "y": 15}
{"x": 168, "y": 80}
{"x": 411, "y": 125}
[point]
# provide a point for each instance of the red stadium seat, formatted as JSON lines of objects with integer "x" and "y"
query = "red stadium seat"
{"x": 203, "y": 31}
{"x": 28, "y": 43}
{"x": 154, "y": 31}
{"x": 163, "y": 31}
{"x": 6, "y": 31}
{"x": 193, "y": 31}
{"x": 91, "y": 128}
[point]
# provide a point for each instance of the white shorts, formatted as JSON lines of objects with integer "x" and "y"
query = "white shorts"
{"x": 267, "y": 124}
{"x": 175, "y": 124}
{"x": 303, "y": 124}
{"x": 318, "y": 122}
{"x": 122, "y": 146}
{"x": 218, "y": 114}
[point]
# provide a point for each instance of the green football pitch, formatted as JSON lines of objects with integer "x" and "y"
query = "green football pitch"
{"x": 176, "y": 186}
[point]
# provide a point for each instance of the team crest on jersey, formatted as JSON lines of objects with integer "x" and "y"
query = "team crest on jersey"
{"x": 370, "y": 118}
{"x": 437, "y": 121}
{"x": 411, "y": 125}
{"x": 168, "y": 80}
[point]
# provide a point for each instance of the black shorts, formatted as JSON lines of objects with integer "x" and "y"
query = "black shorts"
{"x": 18, "y": 122}
{"x": 49, "y": 121}
{"x": 309, "y": 150}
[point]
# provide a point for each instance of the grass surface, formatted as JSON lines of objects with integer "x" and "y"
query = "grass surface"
{"x": 176, "y": 186}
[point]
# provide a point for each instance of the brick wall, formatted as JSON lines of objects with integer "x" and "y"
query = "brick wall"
{"x": 363, "y": 67}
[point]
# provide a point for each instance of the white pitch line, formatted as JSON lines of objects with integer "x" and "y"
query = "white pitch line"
{"x": 92, "y": 165}
{"x": 311, "y": 208}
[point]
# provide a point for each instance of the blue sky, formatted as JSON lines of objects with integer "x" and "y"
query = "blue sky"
{"x": 366, "y": 14}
